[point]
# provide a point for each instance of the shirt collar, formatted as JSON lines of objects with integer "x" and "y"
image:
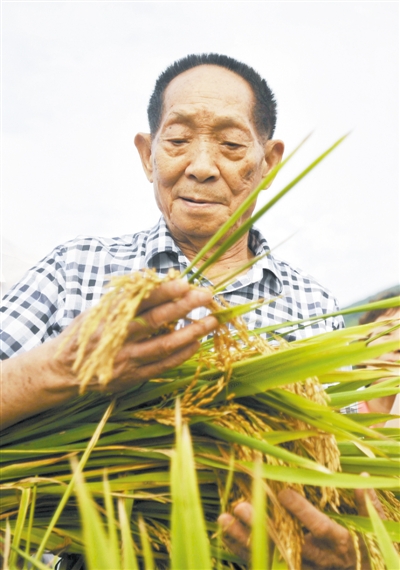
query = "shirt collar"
{"x": 161, "y": 241}
{"x": 259, "y": 245}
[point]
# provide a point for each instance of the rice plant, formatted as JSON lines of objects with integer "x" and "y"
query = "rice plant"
{"x": 139, "y": 480}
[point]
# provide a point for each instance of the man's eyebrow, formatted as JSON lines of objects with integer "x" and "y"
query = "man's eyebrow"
{"x": 222, "y": 122}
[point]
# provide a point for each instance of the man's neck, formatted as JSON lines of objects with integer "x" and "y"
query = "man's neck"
{"x": 232, "y": 260}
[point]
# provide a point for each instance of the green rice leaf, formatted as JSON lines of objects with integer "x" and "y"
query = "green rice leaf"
{"x": 317, "y": 415}
{"x": 259, "y": 533}
{"x": 31, "y": 561}
{"x": 146, "y": 547}
{"x": 7, "y": 543}
{"x": 372, "y": 419}
{"x": 23, "y": 509}
{"x": 387, "y": 549}
{"x": 224, "y": 504}
{"x": 278, "y": 563}
{"x": 111, "y": 524}
{"x": 372, "y": 465}
{"x": 19, "y": 469}
{"x": 384, "y": 304}
{"x": 389, "y": 447}
{"x": 346, "y": 380}
{"x": 84, "y": 408}
{"x": 70, "y": 487}
{"x": 226, "y": 315}
{"x": 364, "y": 525}
{"x": 266, "y": 372}
{"x": 128, "y": 555}
{"x": 99, "y": 554}
{"x": 273, "y": 450}
{"x": 220, "y": 285}
{"x": 384, "y": 332}
{"x": 187, "y": 517}
{"x": 30, "y": 522}
{"x": 384, "y": 388}
{"x": 319, "y": 479}
{"x": 275, "y": 437}
{"x": 228, "y": 484}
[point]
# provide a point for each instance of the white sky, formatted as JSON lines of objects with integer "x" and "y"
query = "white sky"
{"x": 76, "y": 80}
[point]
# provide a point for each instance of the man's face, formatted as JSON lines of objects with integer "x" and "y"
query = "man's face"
{"x": 207, "y": 155}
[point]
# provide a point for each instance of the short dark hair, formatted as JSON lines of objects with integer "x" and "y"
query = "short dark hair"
{"x": 264, "y": 106}
{"x": 372, "y": 316}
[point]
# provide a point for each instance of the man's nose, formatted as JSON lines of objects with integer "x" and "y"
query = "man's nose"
{"x": 202, "y": 164}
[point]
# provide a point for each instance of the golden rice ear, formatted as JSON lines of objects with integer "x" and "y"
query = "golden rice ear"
{"x": 112, "y": 315}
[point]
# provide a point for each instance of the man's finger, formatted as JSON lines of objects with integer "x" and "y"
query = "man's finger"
{"x": 152, "y": 320}
{"x": 361, "y": 504}
{"x": 244, "y": 512}
{"x": 160, "y": 347}
{"x": 236, "y": 536}
{"x": 320, "y": 525}
{"x": 131, "y": 376}
{"x": 167, "y": 291}
{"x": 359, "y": 495}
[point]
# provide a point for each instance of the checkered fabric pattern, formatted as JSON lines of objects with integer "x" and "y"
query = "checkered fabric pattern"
{"x": 72, "y": 279}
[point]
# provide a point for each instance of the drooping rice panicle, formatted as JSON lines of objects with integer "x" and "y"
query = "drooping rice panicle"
{"x": 115, "y": 312}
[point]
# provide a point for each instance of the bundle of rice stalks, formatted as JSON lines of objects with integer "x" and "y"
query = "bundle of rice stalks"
{"x": 247, "y": 401}
{"x": 244, "y": 399}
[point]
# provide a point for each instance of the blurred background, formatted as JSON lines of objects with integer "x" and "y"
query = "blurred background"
{"x": 77, "y": 77}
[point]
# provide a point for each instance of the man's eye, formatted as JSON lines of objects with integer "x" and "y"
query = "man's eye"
{"x": 232, "y": 145}
{"x": 177, "y": 142}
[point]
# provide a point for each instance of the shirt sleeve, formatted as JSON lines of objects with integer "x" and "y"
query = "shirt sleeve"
{"x": 30, "y": 309}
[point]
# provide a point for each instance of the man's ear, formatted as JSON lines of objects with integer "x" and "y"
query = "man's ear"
{"x": 273, "y": 152}
{"x": 143, "y": 145}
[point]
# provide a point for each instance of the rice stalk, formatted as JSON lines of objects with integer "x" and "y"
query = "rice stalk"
{"x": 239, "y": 416}
{"x": 245, "y": 399}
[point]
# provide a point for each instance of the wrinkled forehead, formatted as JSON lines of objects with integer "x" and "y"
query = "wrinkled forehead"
{"x": 209, "y": 87}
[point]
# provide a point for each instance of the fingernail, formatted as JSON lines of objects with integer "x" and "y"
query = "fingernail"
{"x": 225, "y": 520}
{"x": 203, "y": 295}
{"x": 210, "y": 322}
{"x": 181, "y": 285}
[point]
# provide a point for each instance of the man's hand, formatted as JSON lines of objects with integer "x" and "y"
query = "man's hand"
{"x": 145, "y": 356}
{"x": 236, "y": 530}
{"x": 43, "y": 377}
{"x": 327, "y": 545}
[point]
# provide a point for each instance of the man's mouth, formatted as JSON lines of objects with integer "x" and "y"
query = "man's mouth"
{"x": 195, "y": 201}
{"x": 198, "y": 201}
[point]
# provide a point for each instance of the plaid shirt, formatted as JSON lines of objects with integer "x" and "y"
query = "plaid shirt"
{"x": 72, "y": 279}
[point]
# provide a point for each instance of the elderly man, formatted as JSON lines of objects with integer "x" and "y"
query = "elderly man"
{"x": 211, "y": 120}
